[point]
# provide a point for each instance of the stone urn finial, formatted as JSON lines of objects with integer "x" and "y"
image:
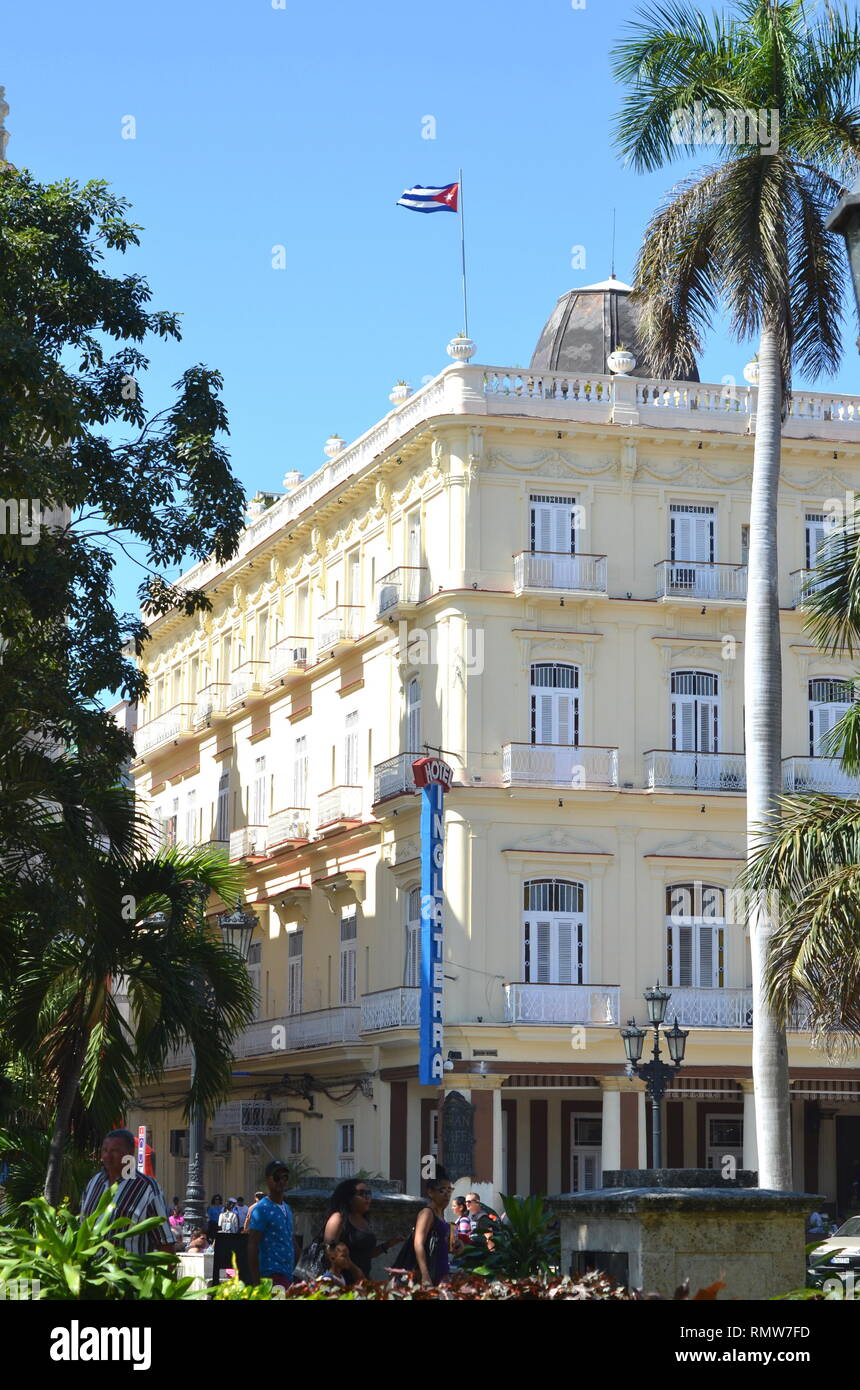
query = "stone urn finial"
{"x": 461, "y": 348}
{"x": 333, "y": 445}
{"x": 621, "y": 362}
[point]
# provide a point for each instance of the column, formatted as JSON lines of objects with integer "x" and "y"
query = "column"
{"x": 643, "y": 1133}
{"x": 750, "y": 1155}
{"x": 498, "y": 1176}
{"x": 610, "y": 1139}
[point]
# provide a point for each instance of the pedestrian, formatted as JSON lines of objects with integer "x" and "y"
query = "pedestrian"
{"x": 241, "y": 1211}
{"x": 432, "y": 1232}
{"x": 271, "y": 1245}
{"x": 228, "y": 1221}
{"x": 338, "y": 1263}
{"x": 258, "y": 1197}
{"x": 213, "y": 1211}
{"x": 346, "y": 1221}
{"x": 462, "y": 1222}
{"x": 177, "y": 1221}
{"x": 199, "y": 1242}
{"x": 137, "y": 1196}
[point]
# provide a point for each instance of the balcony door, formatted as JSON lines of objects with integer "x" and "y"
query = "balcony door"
{"x": 695, "y": 936}
{"x": 413, "y": 717}
{"x": 692, "y": 543}
{"x": 586, "y": 1168}
{"x": 552, "y": 541}
{"x": 554, "y": 932}
{"x": 348, "y": 955}
{"x": 828, "y": 701}
{"x": 818, "y": 528}
{"x": 412, "y": 964}
{"x": 294, "y": 972}
{"x": 695, "y": 727}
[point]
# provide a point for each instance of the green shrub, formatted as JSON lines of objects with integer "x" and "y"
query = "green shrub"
{"x": 527, "y": 1243}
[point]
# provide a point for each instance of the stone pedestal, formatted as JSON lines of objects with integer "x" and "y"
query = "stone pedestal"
{"x": 196, "y": 1265}
{"x": 391, "y": 1214}
{"x": 655, "y": 1237}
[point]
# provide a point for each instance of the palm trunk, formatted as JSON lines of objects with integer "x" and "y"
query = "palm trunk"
{"x": 763, "y": 730}
{"x": 65, "y": 1101}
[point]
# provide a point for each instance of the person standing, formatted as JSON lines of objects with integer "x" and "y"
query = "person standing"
{"x": 177, "y": 1222}
{"x": 346, "y": 1222}
{"x": 241, "y": 1211}
{"x": 213, "y": 1211}
{"x": 271, "y": 1245}
{"x": 228, "y": 1221}
{"x": 462, "y": 1222}
{"x": 137, "y": 1196}
{"x": 432, "y": 1232}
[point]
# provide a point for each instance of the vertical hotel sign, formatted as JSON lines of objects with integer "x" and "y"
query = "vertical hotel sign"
{"x": 433, "y": 778}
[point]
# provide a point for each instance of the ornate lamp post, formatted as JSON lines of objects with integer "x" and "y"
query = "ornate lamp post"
{"x": 237, "y": 928}
{"x": 845, "y": 219}
{"x": 655, "y": 1073}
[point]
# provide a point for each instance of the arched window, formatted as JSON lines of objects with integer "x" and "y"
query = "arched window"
{"x": 555, "y": 703}
{"x": 828, "y": 701}
{"x": 695, "y": 935}
{"x": 413, "y": 716}
{"x": 412, "y": 961}
{"x": 695, "y": 713}
{"x": 554, "y": 932}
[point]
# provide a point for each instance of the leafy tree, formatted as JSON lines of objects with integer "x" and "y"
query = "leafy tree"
{"x": 748, "y": 234}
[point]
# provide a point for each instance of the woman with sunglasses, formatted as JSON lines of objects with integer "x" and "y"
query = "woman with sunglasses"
{"x": 347, "y": 1224}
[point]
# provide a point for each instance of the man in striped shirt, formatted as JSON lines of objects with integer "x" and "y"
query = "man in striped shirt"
{"x": 137, "y": 1196}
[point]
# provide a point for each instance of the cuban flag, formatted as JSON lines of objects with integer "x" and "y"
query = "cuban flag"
{"x": 420, "y": 199}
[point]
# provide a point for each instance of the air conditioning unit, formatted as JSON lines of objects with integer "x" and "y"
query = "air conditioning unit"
{"x": 221, "y": 1145}
{"x": 300, "y": 656}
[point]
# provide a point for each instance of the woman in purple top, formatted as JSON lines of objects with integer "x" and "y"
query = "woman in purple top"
{"x": 431, "y": 1231}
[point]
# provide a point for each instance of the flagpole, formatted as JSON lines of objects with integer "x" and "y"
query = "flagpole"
{"x": 463, "y": 254}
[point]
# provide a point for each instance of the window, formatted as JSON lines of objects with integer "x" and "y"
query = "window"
{"x": 302, "y": 617}
{"x": 695, "y": 936}
{"x": 555, "y": 703}
{"x": 293, "y": 1137}
{"x": 350, "y": 750}
{"x": 695, "y": 711}
{"x": 254, "y": 972}
{"x": 353, "y": 578}
{"x": 691, "y": 534}
{"x": 295, "y": 972}
{"x": 222, "y": 820}
{"x": 552, "y": 524}
{"x": 725, "y": 1138}
{"x": 191, "y": 818}
{"x": 745, "y": 545}
{"x": 413, "y": 717}
{"x": 818, "y": 527}
{"x": 345, "y": 1148}
{"x": 300, "y": 772}
{"x": 412, "y": 967}
{"x": 586, "y": 1137}
{"x": 263, "y": 635}
{"x": 828, "y": 701}
{"x": 171, "y": 825}
{"x": 259, "y": 800}
{"x": 348, "y": 950}
{"x": 554, "y": 932}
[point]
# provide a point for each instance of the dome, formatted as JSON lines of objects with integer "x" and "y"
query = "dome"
{"x": 586, "y": 325}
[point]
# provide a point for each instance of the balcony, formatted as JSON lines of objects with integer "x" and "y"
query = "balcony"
{"x": 211, "y": 703}
{"x": 165, "y": 728}
{"x": 248, "y": 681}
{"x": 400, "y": 590}
{"x": 559, "y": 765}
{"x": 220, "y": 846}
{"x": 291, "y": 826}
{"x": 248, "y": 843}
{"x": 688, "y": 581}
{"x": 596, "y": 1005}
{"x": 339, "y": 627}
{"x": 339, "y": 806}
{"x": 803, "y": 585}
{"x": 394, "y": 777}
{"x": 825, "y": 775}
{"x": 699, "y": 772}
{"x": 550, "y": 572}
{"x": 289, "y": 658}
{"x": 711, "y": 1008}
{"x": 389, "y": 1008}
{"x": 247, "y": 1117}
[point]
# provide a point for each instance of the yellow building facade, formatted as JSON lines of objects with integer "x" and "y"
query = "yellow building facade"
{"x": 539, "y": 575}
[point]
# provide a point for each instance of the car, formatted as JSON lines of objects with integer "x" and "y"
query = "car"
{"x": 838, "y": 1255}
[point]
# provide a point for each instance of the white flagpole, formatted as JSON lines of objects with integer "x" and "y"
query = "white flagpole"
{"x": 463, "y": 253}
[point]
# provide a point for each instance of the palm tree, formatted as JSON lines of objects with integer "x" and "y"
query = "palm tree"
{"x": 141, "y": 924}
{"x": 748, "y": 235}
{"x": 811, "y": 858}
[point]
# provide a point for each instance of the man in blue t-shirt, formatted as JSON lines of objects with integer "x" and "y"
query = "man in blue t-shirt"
{"x": 271, "y": 1247}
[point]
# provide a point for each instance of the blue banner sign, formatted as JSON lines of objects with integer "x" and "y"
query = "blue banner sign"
{"x": 433, "y": 777}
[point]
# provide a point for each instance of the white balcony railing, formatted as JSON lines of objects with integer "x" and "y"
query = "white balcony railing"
{"x": 290, "y": 656}
{"x": 559, "y": 572}
{"x": 717, "y": 772}
{"x": 324, "y": 1027}
{"x": 389, "y": 1008}
{"x": 247, "y": 842}
{"x": 803, "y": 584}
{"x": 596, "y": 1005}
{"x": 290, "y": 824}
{"x": 394, "y": 776}
{"x": 818, "y": 775}
{"x": 248, "y": 679}
{"x": 211, "y": 702}
{"x": 339, "y": 625}
{"x": 247, "y": 1117}
{"x": 711, "y": 1008}
{"x": 163, "y": 729}
{"x": 401, "y": 588}
{"x": 691, "y": 579}
{"x": 339, "y": 804}
{"x": 558, "y": 765}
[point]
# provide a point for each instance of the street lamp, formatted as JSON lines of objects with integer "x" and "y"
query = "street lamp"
{"x": 655, "y": 1073}
{"x": 237, "y": 928}
{"x": 845, "y": 219}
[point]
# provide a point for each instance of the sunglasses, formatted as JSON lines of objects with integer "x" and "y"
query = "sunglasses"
{"x": 362, "y": 1192}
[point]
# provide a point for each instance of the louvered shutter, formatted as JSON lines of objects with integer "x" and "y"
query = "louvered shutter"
{"x": 564, "y": 974}
{"x": 707, "y": 955}
{"x": 816, "y": 531}
{"x": 684, "y": 956}
{"x": 708, "y": 740}
{"x": 294, "y": 976}
{"x": 562, "y": 530}
{"x": 703, "y": 539}
{"x": 681, "y": 536}
{"x": 544, "y": 958}
{"x": 683, "y": 723}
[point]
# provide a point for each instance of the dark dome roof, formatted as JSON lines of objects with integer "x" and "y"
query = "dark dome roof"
{"x": 586, "y": 325}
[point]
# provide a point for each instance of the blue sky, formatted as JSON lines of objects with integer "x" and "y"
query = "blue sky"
{"x": 259, "y": 127}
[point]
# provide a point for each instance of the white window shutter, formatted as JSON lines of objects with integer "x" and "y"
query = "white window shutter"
{"x": 564, "y": 974}
{"x": 544, "y": 966}
{"x": 707, "y": 958}
{"x": 684, "y": 955}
